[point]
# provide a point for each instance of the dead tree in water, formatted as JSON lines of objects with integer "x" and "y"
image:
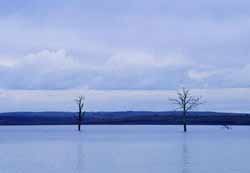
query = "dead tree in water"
{"x": 80, "y": 103}
{"x": 186, "y": 102}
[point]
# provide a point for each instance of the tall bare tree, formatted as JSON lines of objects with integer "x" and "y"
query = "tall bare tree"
{"x": 80, "y": 101}
{"x": 185, "y": 102}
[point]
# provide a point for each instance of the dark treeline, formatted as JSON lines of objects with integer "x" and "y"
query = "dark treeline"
{"x": 184, "y": 101}
{"x": 124, "y": 118}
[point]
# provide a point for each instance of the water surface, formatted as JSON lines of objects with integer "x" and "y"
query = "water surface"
{"x": 123, "y": 149}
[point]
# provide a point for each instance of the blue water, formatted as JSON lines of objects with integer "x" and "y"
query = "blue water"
{"x": 123, "y": 149}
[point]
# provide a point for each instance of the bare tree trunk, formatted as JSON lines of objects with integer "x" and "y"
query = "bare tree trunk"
{"x": 185, "y": 121}
{"x": 79, "y": 127}
{"x": 79, "y": 120}
{"x": 80, "y": 103}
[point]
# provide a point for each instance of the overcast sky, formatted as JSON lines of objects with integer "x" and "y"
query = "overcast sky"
{"x": 136, "y": 47}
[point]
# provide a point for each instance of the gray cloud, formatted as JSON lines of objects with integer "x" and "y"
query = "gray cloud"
{"x": 123, "y": 55}
{"x": 58, "y": 70}
{"x": 124, "y": 45}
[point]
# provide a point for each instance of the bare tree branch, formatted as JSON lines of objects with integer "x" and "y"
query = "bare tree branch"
{"x": 185, "y": 102}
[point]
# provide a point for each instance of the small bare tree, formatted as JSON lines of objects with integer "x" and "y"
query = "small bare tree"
{"x": 80, "y": 103}
{"x": 185, "y": 102}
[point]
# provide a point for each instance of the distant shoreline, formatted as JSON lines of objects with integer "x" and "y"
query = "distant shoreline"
{"x": 123, "y": 118}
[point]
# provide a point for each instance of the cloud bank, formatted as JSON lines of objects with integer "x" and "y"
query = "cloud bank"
{"x": 124, "y": 45}
{"x": 223, "y": 100}
{"x": 57, "y": 69}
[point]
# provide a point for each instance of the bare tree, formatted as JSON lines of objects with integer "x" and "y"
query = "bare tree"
{"x": 80, "y": 103}
{"x": 185, "y": 102}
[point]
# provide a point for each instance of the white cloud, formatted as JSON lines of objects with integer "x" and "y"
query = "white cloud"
{"x": 200, "y": 75}
{"x": 49, "y": 60}
{"x": 56, "y": 69}
{"x": 44, "y": 69}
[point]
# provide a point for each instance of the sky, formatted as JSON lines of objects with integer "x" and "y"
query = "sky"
{"x": 53, "y": 50}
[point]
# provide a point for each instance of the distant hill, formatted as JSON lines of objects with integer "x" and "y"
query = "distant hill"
{"x": 120, "y": 114}
{"x": 129, "y": 117}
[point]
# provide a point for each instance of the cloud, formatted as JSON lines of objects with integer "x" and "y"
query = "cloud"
{"x": 200, "y": 75}
{"x": 224, "y": 100}
{"x": 49, "y": 61}
{"x": 56, "y": 69}
{"x": 234, "y": 77}
{"x": 140, "y": 70}
{"x": 126, "y": 45}
{"x": 142, "y": 60}
{"x": 239, "y": 76}
{"x": 44, "y": 69}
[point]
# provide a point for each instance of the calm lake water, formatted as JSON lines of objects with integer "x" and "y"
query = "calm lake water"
{"x": 124, "y": 149}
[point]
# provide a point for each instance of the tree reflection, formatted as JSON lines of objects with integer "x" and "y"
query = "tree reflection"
{"x": 185, "y": 155}
{"x": 80, "y": 157}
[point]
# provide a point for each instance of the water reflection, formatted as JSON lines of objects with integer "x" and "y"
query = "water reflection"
{"x": 80, "y": 157}
{"x": 185, "y": 155}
